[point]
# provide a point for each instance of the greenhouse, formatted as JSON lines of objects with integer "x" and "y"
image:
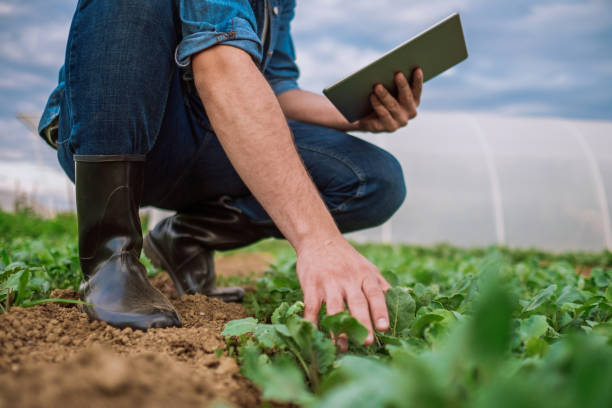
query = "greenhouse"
{"x": 471, "y": 179}
{"x": 476, "y": 179}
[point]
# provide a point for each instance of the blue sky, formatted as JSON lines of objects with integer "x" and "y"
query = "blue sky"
{"x": 527, "y": 57}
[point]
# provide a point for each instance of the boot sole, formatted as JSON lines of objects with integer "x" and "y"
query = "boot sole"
{"x": 157, "y": 259}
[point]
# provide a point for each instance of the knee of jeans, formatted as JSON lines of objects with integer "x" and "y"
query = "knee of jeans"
{"x": 386, "y": 188}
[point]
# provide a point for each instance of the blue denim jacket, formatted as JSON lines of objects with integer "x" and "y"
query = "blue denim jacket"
{"x": 205, "y": 23}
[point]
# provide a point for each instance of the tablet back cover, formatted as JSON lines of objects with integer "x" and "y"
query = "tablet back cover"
{"x": 435, "y": 50}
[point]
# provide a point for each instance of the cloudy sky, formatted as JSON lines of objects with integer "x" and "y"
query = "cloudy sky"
{"x": 527, "y": 57}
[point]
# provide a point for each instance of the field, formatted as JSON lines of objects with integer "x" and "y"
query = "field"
{"x": 470, "y": 328}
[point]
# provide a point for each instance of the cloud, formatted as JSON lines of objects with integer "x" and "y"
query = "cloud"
{"x": 522, "y": 52}
{"x": 335, "y": 38}
{"x": 6, "y": 9}
{"x": 14, "y": 79}
{"x": 11, "y": 9}
{"x": 327, "y": 61}
{"x": 508, "y": 82}
{"x": 20, "y": 144}
{"x": 536, "y": 54}
{"x": 371, "y": 16}
{"x": 35, "y": 45}
{"x": 569, "y": 17}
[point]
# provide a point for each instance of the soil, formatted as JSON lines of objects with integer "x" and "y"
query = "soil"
{"x": 53, "y": 355}
{"x": 245, "y": 265}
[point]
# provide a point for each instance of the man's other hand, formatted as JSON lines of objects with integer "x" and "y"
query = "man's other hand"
{"x": 333, "y": 272}
{"x": 392, "y": 113}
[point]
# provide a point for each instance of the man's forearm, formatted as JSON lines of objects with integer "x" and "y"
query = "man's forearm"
{"x": 305, "y": 106}
{"x": 252, "y": 129}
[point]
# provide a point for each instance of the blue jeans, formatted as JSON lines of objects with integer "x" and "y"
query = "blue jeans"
{"x": 125, "y": 95}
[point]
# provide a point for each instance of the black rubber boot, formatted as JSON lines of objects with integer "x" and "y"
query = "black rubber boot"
{"x": 108, "y": 191}
{"x": 183, "y": 245}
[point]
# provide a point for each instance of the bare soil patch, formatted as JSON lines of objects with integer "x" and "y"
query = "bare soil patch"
{"x": 252, "y": 264}
{"x": 52, "y": 355}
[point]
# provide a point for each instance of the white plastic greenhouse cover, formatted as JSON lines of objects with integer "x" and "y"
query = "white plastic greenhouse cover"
{"x": 480, "y": 179}
{"x": 476, "y": 179}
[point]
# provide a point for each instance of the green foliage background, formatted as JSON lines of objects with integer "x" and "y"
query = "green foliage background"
{"x": 38, "y": 255}
{"x": 469, "y": 327}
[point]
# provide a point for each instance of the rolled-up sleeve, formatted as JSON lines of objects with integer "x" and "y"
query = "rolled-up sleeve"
{"x": 281, "y": 71}
{"x": 205, "y": 23}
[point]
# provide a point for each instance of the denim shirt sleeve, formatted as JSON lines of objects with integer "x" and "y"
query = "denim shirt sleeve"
{"x": 281, "y": 70}
{"x": 47, "y": 127}
{"x": 205, "y": 23}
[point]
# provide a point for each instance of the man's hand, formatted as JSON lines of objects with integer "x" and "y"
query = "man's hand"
{"x": 250, "y": 125}
{"x": 333, "y": 272}
{"x": 390, "y": 113}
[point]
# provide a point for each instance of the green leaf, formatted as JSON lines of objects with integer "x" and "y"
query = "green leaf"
{"x": 283, "y": 283}
{"x": 591, "y": 303}
{"x": 536, "y": 347}
{"x": 401, "y": 307}
{"x": 240, "y": 327}
{"x": 569, "y": 307}
{"x": 14, "y": 277}
{"x": 569, "y": 294}
{"x": 604, "y": 329}
{"x": 390, "y": 277}
{"x": 452, "y": 302}
{"x": 344, "y": 323}
{"x": 540, "y": 298}
{"x": 533, "y": 327}
{"x": 411, "y": 345}
{"x": 279, "y": 315}
{"x": 357, "y": 382}
{"x": 284, "y": 312}
{"x": 490, "y": 329}
{"x": 284, "y": 382}
{"x": 5, "y": 257}
{"x": 423, "y": 295}
{"x": 601, "y": 277}
{"x": 296, "y": 309}
{"x": 422, "y": 322}
{"x": 18, "y": 283}
{"x": 389, "y": 340}
{"x": 29, "y": 303}
{"x": 301, "y": 331}
{"x": 282, "y": 330}
{"x": 268, "y": 337}
{"x": 280, "y": 380}
{"x": 436, "y": 333}
{"x": 491, "y": 264}
{"x": 324, "y": 351}
{"x": 314, "y": 349}
{"x": 463, "y": 285}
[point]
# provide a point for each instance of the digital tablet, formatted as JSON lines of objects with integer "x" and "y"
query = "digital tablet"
{"x": 435, "y": 50}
